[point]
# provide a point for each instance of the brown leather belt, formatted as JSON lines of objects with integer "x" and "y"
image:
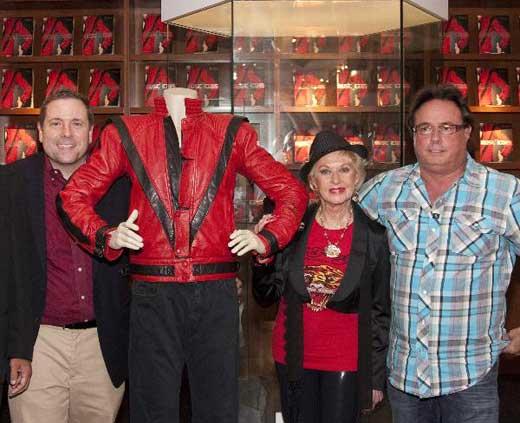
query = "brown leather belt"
{"x": 197, "y": 269}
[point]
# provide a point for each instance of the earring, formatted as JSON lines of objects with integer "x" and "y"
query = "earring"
{"x": 355, "y": 197}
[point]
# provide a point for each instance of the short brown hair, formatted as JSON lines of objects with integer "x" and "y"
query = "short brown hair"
{"x": 65, "y": 94}
{"x": 440, "y": 92}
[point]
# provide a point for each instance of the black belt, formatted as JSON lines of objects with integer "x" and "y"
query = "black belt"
{"x": 81, "y": 325}
{"x": 197, "y": 269}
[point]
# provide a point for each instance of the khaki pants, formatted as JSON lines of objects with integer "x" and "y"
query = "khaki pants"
{"x": 70, "y": 382}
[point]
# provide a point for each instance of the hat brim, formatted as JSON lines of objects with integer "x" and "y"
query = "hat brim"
{"x": 358, "y": 149}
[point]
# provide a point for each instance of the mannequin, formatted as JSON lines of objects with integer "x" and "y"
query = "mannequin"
{"x": 174, "y": 98}
{"x": 182, "y": 229}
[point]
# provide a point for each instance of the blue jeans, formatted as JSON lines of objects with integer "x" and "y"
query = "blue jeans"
{"x": 477, "y": 404}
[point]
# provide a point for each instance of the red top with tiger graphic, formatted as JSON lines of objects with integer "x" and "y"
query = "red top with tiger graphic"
{"x": 330, "y": 338}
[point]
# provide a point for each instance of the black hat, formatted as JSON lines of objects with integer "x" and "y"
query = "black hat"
{"x": 326, "y": 142}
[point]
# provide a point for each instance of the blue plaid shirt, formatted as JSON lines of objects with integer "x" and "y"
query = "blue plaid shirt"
{"x": 451, "y": 266}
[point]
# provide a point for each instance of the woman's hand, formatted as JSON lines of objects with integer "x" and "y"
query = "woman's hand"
{"x": 266, "y": 218}
{"x": 243, "y": 241}
{"x": 377, "y": 397}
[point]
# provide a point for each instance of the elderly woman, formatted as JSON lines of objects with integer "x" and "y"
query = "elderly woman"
{"x": 330, "y": 335}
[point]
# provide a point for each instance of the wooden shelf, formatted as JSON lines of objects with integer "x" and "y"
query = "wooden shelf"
{"x": 184, "y": 57}
{"x": 116, "y": 58}
{"x": 494, "y": 109}
{"x": 339, "y": 56}
{"x": 108, "y": 110}
{"x": 338, "y": 109}
{"x": 472, "y": 57}
{"x": 254, "y": 109}
{"x": 20, "y": 112}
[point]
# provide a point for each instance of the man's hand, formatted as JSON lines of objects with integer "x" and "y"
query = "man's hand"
{"x": 125, "y": 236}
{"x": 514, "y": 344}
{"x": 20, "y": 377}
{"x": 243, "y": 241}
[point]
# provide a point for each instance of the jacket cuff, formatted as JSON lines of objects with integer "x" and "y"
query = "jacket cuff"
{"x": 102, "y": 249}
{"x": 270, "y": 242}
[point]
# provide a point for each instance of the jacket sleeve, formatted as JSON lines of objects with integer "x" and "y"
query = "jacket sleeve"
{"x": 380, "y": 313}
{"x": 269, "y": 281}
{"x": 288, "y": 193}
{"x": 16, "y": 242}
{"x": 84, "y": 190}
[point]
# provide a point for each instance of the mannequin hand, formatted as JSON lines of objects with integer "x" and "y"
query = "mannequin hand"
{"x": 21, "y": 372}
{"x": 514, "y": 342}
{"x": 266, "y": 218}
{"x": 125, "y": 235}
{"x": 243, "y": 241}
{"x": 377, "y": 397}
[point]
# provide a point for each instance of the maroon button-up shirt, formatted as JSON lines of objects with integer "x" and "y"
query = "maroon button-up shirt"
{"x": 69, "y": 297}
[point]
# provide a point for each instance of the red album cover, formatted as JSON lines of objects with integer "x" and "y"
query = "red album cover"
{"x": 493, "y": 87}
{"x": 19, "y": 143}
{"x": 254, "y": 44}
{"x": 304, "y": 45}
{"x": 389, "y": 86}
{"x": 57, "y": 36}
{"x": 249, "y": 85}
{"x": 98, "y": 35}
{"x": 204, "y": 79}
{"x": 352, "y": 87}
{"x": 155, "y": 82}
{"x": 104, "y": 88}
{"x": 17, "y": 37}
{"x": 455, "y": 35}
{"x": 157, "y": 37}
{"x": 302, "y": 145}
{"x": 493, "y": 35}
{"x": 496, "y": 142}
{"x": 16, "y": 88}
{"x": 198, "y": 42}
{"x": 390, "y": 41}
{"x": 58, "y": 79}
{"x": 455, "y": 76}
{"x": 352, "y": 133}
{"x": 309, "y": 89}
{"x": 353, "y": 44}
{"x": 386, "y": 144}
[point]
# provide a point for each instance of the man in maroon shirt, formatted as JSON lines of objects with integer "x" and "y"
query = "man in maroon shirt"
{"x": 79, "y": 304}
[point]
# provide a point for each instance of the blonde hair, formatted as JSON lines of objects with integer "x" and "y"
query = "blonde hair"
{"x": 359, "y": 164}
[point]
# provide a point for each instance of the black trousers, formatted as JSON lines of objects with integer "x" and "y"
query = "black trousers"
{"x": 327, "y": 397}
{"x": 173, "y": 324}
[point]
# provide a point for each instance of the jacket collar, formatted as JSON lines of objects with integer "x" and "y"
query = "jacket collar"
{"x": 352, "y": 277}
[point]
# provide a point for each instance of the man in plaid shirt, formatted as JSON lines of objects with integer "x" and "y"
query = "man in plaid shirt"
{"x": 454, "y": 233}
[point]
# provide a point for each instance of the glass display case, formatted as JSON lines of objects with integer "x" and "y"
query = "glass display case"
{"x": 294, "y": 68}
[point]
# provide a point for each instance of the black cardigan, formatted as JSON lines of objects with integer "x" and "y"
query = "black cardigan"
{"x": 364, "y": 289}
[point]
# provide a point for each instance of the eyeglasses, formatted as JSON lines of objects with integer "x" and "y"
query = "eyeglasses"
{"x": 426, "y": 129}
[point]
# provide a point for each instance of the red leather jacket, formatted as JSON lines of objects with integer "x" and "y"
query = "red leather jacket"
{"x": 185, "y": 209}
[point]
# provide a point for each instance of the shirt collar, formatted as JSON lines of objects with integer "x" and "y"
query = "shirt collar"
{"x": 53, "y": 173}
{"x": 471, "y": 174}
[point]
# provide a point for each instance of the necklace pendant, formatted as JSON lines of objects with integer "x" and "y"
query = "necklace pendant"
{"x": 332, "y": 251}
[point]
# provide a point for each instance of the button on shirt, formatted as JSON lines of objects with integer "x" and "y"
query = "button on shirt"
{"x": 451, "y": 266}
{"x": 69, "y": 296}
